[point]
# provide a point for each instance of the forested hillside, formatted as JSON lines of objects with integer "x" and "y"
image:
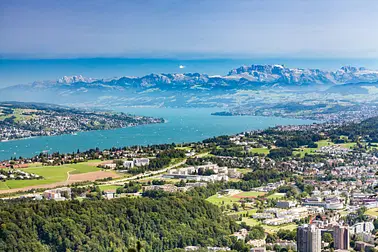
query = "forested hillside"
{"x": 367, "y": 129}
{"x": 112, "y": 225}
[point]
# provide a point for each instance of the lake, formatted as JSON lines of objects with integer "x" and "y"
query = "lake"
{"x": 183, "y": 125}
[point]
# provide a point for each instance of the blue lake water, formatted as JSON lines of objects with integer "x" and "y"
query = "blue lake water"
{"x": 183, "y": 125}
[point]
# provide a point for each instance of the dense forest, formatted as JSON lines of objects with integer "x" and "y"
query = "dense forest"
{"x": 171, "y": 221}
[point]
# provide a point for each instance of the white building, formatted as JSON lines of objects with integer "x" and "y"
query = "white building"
{"x": 56, "y": 194}
{"x": 361, "y": 227}
{"x": 128, "y": 164}
{"x": 285, "y": 204}
{"x": 141, "y": 161}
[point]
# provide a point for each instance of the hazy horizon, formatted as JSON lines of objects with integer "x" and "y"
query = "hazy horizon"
{"x": 177, "y": 28}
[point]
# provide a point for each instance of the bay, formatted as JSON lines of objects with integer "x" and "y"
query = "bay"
{"x": 183, "y": 125}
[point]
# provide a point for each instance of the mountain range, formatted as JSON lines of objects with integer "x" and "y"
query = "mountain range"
{"x": 244, "y": 76}
{"x": 188, "y": 86}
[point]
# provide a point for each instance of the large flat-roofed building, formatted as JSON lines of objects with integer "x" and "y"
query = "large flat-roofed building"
{"x": 285, "y": 204}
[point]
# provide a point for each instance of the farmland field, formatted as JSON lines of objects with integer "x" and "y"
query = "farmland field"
{"x": 83, "y": 168}
{"x": 52, "y": 175}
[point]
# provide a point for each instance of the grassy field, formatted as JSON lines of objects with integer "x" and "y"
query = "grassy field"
{"x": 250, "y": 194}
{"x": 244, "y": 170}
{"x": 50, "y": 174}
{"x": 220, "y": 199}
{"x": 225, "y": 200}
{"x": 323, "y": 143}
{"x": 109, "y": 187}
{"x": 372, "y": 212}
{"x": 83, "y": 168}
{"x": 183, "y": 148}
{"x": 276, "y": 196}
{"x": 260, "y": 150}
{"x": 250, "y": 221}
{"x": 268, "y": 228}
{"x": 304, "y": 150}
{"x": 273, "y": 229}
{"x": 348, "y": 145}
{"x": 3, "y": 186}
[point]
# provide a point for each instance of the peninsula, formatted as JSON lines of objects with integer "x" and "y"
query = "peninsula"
{"x": 23, "y": 120}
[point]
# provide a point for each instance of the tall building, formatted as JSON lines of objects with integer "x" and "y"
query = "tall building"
{"x": 341, "y": 237}
{"x": 308, "y": 238}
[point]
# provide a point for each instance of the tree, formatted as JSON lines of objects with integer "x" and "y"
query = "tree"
{"x": 235, "y": 207}
{"x": 327, "y": 237}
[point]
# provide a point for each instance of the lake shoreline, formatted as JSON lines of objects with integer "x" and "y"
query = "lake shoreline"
{"x": 181, "y": 125}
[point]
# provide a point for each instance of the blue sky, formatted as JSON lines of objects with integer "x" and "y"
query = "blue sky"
{"x": 189, "y": 28}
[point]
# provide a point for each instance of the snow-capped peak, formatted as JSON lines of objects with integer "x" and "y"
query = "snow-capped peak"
{"x": 74, "y": 79}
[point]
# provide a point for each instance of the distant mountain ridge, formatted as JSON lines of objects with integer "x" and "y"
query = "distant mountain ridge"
{"x": 194, "y": 89}
{"x": 298, "y": 76}
{"x": 253, "y": 76}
